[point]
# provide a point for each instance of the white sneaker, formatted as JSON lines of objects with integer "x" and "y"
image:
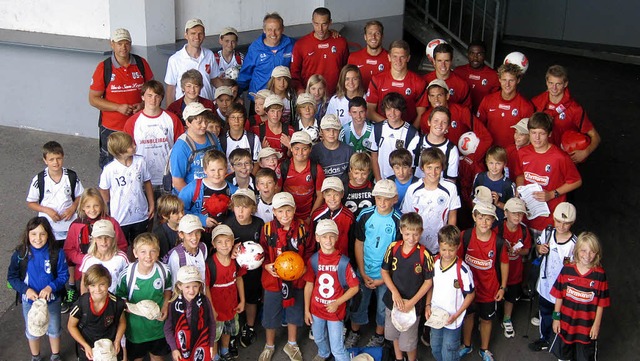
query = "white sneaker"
{"x": 509, "y": 332}
{"x": 535, "y": 321}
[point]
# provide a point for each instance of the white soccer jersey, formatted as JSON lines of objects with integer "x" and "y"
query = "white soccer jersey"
{"x": 445, "y": 293}
{"x": 198, "y": 261}
{"x": 390, "y": 140}
{"x": 223, "y": 65}
{"x": 243, "y": 142}
{"x": 339, "y": 107}
{"x": 115, "y": 265}
{"x": 128, "y": 203}
{"x": 265, "y": 211}
{"x": 453, "y": 157}
{"x": 553, "y": 263}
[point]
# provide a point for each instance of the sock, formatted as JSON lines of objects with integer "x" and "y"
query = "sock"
{"x": 482, "y": 351}
{"x": 216, "y": 358}
{"x": 505, "y": 319}
{"x": 270, "y": 346}
{"x": 292, "y": 343}
{"x": 379, "y": 335}
{"x": 224, "y": 351}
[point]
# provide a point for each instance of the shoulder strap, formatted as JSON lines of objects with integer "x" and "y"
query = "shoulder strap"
{"x": 130, "y": 280}
{"x": 251, "y": 138}
{"x": 140, "y": 65}
{"x": 192, "y": 148}
{"x": 466, "y": 239}
{"x": 222, "y": 140}
{"x": 284, "y": 170}
{"x": 196, "y": 192}
{"x": 314, "y": 263}
{"x": 182, "y": 257}
{"x": 458, "y": 268}
{"x": 314, "y": 171}
{"x": 211, "y": 266}
{"x": 262, "y": 129}
{"x": 73, "y": 179}
{"x": 108, "y": 70}
{"x": 501, "y": 229}
{"x": 239, "y": 57}
{"x": 342, "y": 271}
{"x": 411, "y": 132}
{"x": 41, "y": 186}
{"x": 377, "y": 132}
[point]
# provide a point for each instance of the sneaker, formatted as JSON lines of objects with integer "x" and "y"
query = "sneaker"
{"x": 540, "y": 345}
{"x": 509, "y": 332}
{"x": 375, "y": 341}
{"x": 233, "y": 347}
{"x": 37, "y": 358}
{"x": 293, "y": 351}
{"x": 535, "y": 321}
{"x": 352, "y": 340}
{"x": 71, "y": 296}
{"x": 247, "y": 336}
{"x": 465, "y": 350}
{"x": 311, "y": 335}
{"x": 486, "y": 355}
{"x": 226, "y": 357}
{"x": 425, "y": 338}
{"x": 266, "y": 354}
{"x": 64, "y": 307}
{"x": 319, "y": 358}
{"x": 55, "y": 357}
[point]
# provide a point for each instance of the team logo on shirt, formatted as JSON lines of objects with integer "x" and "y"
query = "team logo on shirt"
{"x": 451, "y": 92}
{"x": 580, "y": 296}
{"x": 388, "y": 229}
{"x": 47, "y": 266}
{"x": 481, "y": 264}
{"x": 333, "y": 49}
{"x": 454, "y": 124}
{"x": 417, "y": 268}
{"x": 113, "y": 77}
{"x": 366, "y": 143}
{"x": 490, "y": 254}
{"x": 381, "y": 67}
{"x": 547, "y": 168}
{"x": 108, "y": 320}
{"x": 484, "y": 82}
{"x": 207, "y": 68}
{"x": 67, "y": 191}
{"x": 263, "y": 56}
{"x": 456, "y": 284}
{"x": 563, "y": 115}
{"x": 308, "y": 178}
{"x": 157, "y": 283}
{"x": 198, "y": 355}
{"x": 399, "y": 143}
{"x": 407, "y": 91}
{"x": 441, "y": 200}
{"x": 514, "y": 113}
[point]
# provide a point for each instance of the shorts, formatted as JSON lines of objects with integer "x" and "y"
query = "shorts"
{"x": 272, "y": 310}
{"x": 485, "y": 310}
{"x": 407, "y": 340}
{"x": 157, "y": 347}
{"x": 513, "y": 293}
{"x": 253, "y": 286}
{"x": 230, "y": 327}
{"x": 575, "y": 351}
{"x": 54, "y": 329}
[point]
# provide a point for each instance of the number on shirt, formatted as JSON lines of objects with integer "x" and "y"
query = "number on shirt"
{"x": 325, "y": 287}
{"x": 121, "y": 181}
{"x": 340, "y": 113}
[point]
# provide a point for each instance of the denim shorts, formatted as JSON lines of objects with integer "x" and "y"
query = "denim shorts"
{"x": 272, "y": 309}
{"x": 54, "y": 329}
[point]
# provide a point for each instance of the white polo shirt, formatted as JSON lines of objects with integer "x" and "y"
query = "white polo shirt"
{"x": 181, "y": 61}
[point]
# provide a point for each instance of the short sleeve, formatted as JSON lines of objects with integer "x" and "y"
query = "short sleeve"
{"x": 105, "y": 179}
{"x": 33, "y": 194}
{"x": 352, "y": 279}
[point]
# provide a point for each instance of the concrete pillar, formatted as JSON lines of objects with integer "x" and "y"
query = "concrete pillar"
{"x": 151, "y": 22}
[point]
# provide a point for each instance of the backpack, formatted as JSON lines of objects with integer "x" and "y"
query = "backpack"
{"x": 420, "y": 248}
{"x": 272, "y": 238}
{"x": 342, "y": 268}
{"x": 466, "y": 239}
{"x": 129, "y": 276}
{"x": 377, "y": 132}
{"x": 534, "y": 272}
{"x": 284, "y": 170}
{"x": 182, "y": 257}
{"x": 250, "y": 139}
{"x": 24, "y": 261}
{"x": 108, "y": 68}
{"x": 167, "y": 181}
{"x": 458, "y": 268}
{"x": 196, "y": 193}
{"x": 237, "y": 55}
{"x": 73, "y": 180}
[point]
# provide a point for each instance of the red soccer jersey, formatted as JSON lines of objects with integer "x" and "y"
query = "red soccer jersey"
{"x": 327, "y": 287}
{"x": 274, "y": 139}
{"x": 551, "y": 170}
{"x": 515, "y": 260}
{"x": 482, "y": 259}
{"x": 313, "y": 56}
{"x": 513, "y": 167}
{"x": 369, "y": 65}
{"x": 412, "y": 88}
{"x": 178, "y": 106}
{"x": 567, "y": 115}
{"x": 499, "y": 115}
{"x": 344, "y": 219}
{"x": 302, "y": 188}
{"x": 224, "y": 288}
{"x": 482, "y": 82}
{"x": 458, "y": 88}
{"x": 124, "y": 88}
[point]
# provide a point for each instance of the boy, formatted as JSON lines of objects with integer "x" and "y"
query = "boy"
{"x": 501, "y": 187}
{"x": 376, "y": 227}
{"x": 224, "y": 279}
{"x": 332, "y": 192}
{"x": 190, "y": 251}
{"x": 223, "y": 101}
{"x": 407, "y": 271}
{"x": 125, "y": 185}
{"x": 306, "y": 120}
{"x": 266, "y": 184}
{"x": 269, "y": 158}
{"x": 402, "y": 164}
{"x": 439, "y": 120}
{"x": 484, "y": 252}
{"x": 358, "y": 132}
{"x": 170, "y": 212}
{"x": 521, "y": 138}
{"x": 332, "y": 154}
{"x": 215, "y": 125}
{"x": 236, "y": 137}
{"x": 325, "y": 297}
{"x": 191, "y": 84}
{"x": 434, "y": 198}
{"x": 357, "y": 195}
{"x": 241, "y": 165}
{"x": 260, "y": 115}
{"x": 146, "y": 279}
{"x": 228, "y": 57}
{"x": 452, "y": 291}
{"x": 97, "y": 315}
{"x": 274, "y": 133}
{"x": 285, "y": 233}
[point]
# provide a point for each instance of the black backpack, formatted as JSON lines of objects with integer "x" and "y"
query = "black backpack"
{"x": 284, "y": 170}
{"x": 73, "y": 180}
{"x": 108, "y": 68}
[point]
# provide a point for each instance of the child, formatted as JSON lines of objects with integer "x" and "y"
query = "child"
{"x": 521, "y": 138}
{"x": 269, "y": 158}
{"x": 224, "y": 278}
{"x": 376, "y": 228}
{"x": 280, "y": 85}
{"x": 190, "y": 251}
{"x": 349, "y": 87}
{"x": 190, "y": 307}
{"x": 439, "y": 121}
{"x": 401, "y": 162}
{"x": 556, "y": 246}
{"x": 332, "y": 154}
{"x": 223, "y": 100}
{"x": 502, "y": 188}
{"x": 238, "y": 138}
{"x": 332, "y": 192}
{"x": 260, "y": 115}
{"x": 103, "y": 250}
{"x": 228, "y": 57}
{"x": 215, "y": 125}
{"x": 45, "y": 274}
{"x": 357, "y": 195}
{"x": 285, "y": 233}
{"x": 266, "y": 183}
{"x": 407, "y": 271}
{"x": 357, "y": 133}
{"x": 518, "y": 241}
{"x": 124, "y": 183}
{"x": 242, "y": 166}
{"x": 317, "y": 86}
{"x": 146, "y": 279}
{"x": 191, "y": 84}
{"x": 274, "y": 132}
{"x": 324, "y": 297}
{"x": 98, "y": 313}
{"x": 434, "y": 198}
{"x": 582, "y": 293}
{"x": 246, "y": 227}
{"x": 305, "y": 120}
{"x": 452, "y": 291}
{"x": 484, "y": 252}
{"x": 170, "y": 212}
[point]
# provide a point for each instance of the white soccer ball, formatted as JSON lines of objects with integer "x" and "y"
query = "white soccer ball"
{"x": 250, "y": 255}
{"x": 232, "y": 72}
{"x": 432, "y": 45}
{"x": 518, "y": 59}
{"x": 468, "y": 143}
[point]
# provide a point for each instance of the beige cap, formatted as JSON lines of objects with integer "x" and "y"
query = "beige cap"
{"x": 482, "y": 194}
{"x": 334, "y": 183}
{"x": 228, "y": 30}
{"x": 221, "y": 229}
{"x": 565, "y": 212}
{"x": 146, "y": 308}
{"x": 301, "y": 137}
{"x": 515, "y": 205}
{"x": 38, "y": 318}
{"x": 283, "y": 199}
{"x": 273, "y": 100}
{"x": 188, "y": 274}
{"x": 521, "y": 126}
{"x": 330, "y": 121}
{"x": 306, "y": 98}
{"x": 120, "y": 34}
{"x": 262, "y": 93}
{"x": 103, "y": 227}
{"x": 363, "y": 357}
{"x": 267, "y": 152}
{"x": 385, "y": 188}
{"x": 103, "y": 350}
{"x": 193, "y": 109}
{"x": 485, "y": 208}
{"x": 189, "y": 223}
{"x": 438, "y": 82}
{"x": 192, "y": 23}
{"x": 223, "y": 90}
{"x": 326, "y": 226}
{"x": 245, "y": 192}
{"x": 279, "y": 71}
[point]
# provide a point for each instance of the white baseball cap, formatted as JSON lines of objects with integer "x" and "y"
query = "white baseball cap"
{"x": 103, "y": 227}
{"x": 223, "y": 90}
{"x": 193, "y": 109}
{"x": 273, "y": 100}
{"x": 38, "y": 318}
{"x": 334, "y": 183}
{"x": 103, "y": 350}
{"x": 283, "y": 199}
{"x": 189, "y": 223}
{"x": 301, "y": 137}
{"x": 120, "y": 34}
{"x": 330, "y": 121}
{"x": 221, "y": 229}
{"x": 326, "y": 226}
{"x": 279, "y": 71}
{"x": 189, "y": 273}
{"x": 145, "y": 308}
{"x": 385, "y": 188}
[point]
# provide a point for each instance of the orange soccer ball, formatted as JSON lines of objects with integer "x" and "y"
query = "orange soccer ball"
{"x": 289, "y": 266}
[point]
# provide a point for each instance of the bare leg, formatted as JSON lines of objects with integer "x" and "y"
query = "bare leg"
{"x": 396, "y": 349}
{"x": 55, "y": 344}
{"x": 270, "y": 335}
{"x": 467, "y": 329}
{"x": 292, "y": 332}
{"x": 485, "y": 333}
{"x": 34, "y": 347}
{"x": 251, "y": 311}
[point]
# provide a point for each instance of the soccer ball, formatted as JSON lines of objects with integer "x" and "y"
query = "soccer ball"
{"x": 468, "y": 143}
{"x": 250, "y": 255}
{"x": 572, "y": 141}
{"x": 232, "y": 72}
{"x": 432, "y": 45}
{"x": 289, "y": 266}
{"x": 518, "y": 59}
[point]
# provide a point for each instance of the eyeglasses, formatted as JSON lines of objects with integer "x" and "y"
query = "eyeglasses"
{"x": 242, "y": 164}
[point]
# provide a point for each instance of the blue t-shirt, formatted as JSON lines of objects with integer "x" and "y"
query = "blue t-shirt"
{"x": 179, "y": 160}
{"x": 334, "y": 163}
{"x": 402, "y": 189}
{"x": 377, "y": 232}
{"x": 504, "y": 187}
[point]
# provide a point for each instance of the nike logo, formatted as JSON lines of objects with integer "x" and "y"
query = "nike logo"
{"x": 289, "y": 176}
{"x": 525, "y": 163}
{"x": 311, "y": 53}
{"x": 571, "y": 279}
{"x": 491, "y": 314}
{"x": 470, "y": 249}
{"x": 492, "y": 110}
{"x": 384, "y": 89}
{"x": 360, "y": 66}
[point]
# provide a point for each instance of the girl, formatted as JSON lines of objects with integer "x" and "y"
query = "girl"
{"x": 316, "y": 86}
{"x": 582, "y": 293}
{"x": 349, "y": 86}
{"x": 280, "y": 85}
{"x": 38, "y": 270}
{"x": 306, "y": 121}
{"x": 190, "y": 307}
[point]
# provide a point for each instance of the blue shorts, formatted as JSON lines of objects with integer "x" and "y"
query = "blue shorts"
{"x": 54, "y": 329}
{"x": 272, "y": 309}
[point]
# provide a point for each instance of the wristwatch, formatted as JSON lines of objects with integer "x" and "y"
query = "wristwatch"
{"x": 556, "y": 194}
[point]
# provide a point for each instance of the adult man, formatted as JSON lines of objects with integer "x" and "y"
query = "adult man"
{"x": 373, "y": 59}
{"x": 458, "y": 88}
{"x": 482, "y": 80}
{"x": 399, "y": 80}
{"x": 567, "y": 114}
{"x": 118, "y": 97}
{"x": 191, "y": 56}
{"x": 319, "y": 53}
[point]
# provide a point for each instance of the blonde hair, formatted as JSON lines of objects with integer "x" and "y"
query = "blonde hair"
{"x": 113, "y": 248}
{"x": 95, "y": 274}
{"x": 360, "y": 161}
{"x": 177, "y": 291}
{"x": 91, "y": 193}
{"x": 146, "y": 239}
{"x": 118, "y": 143}
{"x": 315, "y": 79}
{"x": 591, "y": 240}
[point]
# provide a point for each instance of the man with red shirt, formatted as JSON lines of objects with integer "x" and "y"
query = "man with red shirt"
{"x": 501, "y": 110}
{"x": 118, "y": 99}
{"x": 567, "y": 114}
{"x": 482, "y": 80}
{"x": 458, "y": 88}
{"x": 319, "y": 53}
{"x": 399, "y": 79}
{"x": 373, "y": 59}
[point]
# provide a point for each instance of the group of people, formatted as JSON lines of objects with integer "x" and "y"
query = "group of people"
{"x": 351, "y": 160}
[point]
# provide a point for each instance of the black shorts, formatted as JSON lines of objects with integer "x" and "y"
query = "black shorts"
{"x": 253, "y": 286}
{"x": 485, "y": 310}
{"x": 157, "y": 347}
{"x": 512, "y": 293}
{"x": 575, "y": 351}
